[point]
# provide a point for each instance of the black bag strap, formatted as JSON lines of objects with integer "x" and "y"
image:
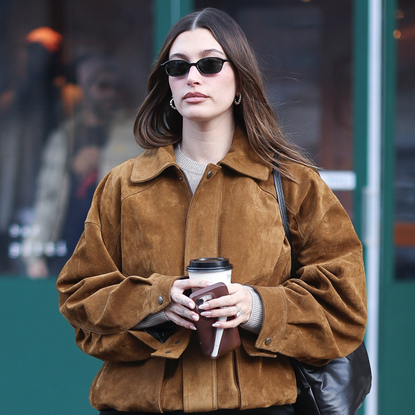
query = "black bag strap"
{"x": 281, "y": 203}
{"x": 283, "y": 212}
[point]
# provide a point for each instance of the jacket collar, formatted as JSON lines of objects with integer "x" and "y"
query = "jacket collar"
{"x": 241, "y": 158}
{"x": 152, "y": 163}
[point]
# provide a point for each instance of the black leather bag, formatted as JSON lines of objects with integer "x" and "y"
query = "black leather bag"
{"x": 340, "y": 386}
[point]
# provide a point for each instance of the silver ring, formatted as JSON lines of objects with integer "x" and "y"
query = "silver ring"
{"x": 239, "y": 313}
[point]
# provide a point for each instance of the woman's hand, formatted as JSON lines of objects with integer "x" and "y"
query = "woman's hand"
{"x": 180, "y": 310}
{"x": 238, "y": 303}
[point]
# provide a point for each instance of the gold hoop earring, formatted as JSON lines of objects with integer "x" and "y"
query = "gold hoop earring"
{"x": 238, "y": 99}
{"x": 172, "y": 104}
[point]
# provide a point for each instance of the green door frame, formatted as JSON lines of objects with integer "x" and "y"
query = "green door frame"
{"x": 166, "y": 13}
{"x": 367, "y": 162}
{"x": 393, "y": 366}
{"x": 397, "y": 323}
{"x": 360, "y": 114}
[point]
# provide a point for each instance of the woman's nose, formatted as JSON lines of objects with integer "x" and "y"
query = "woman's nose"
{"x": 193, "y": 76}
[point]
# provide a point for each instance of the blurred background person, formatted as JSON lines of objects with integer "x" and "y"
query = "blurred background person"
{"x": 28, "y": 114}
{"x": 76, "y": 157}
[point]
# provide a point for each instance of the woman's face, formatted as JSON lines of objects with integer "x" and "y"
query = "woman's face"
{"x": 202, "y": 98}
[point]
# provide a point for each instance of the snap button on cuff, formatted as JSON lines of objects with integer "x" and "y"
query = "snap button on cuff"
{"x": 268, "y": 341}
{"x": 160, "y": 300}
{"x": 209, "y": 174}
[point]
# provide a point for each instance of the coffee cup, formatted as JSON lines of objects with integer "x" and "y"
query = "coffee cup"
{"x": 211, "y": 269}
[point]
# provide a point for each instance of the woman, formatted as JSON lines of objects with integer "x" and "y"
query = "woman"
{"x": 204, "y": 188}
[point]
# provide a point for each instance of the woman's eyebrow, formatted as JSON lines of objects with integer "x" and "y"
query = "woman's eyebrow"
{"x": 205, "y": 52}
{"x": 178, "y": 55}
{"x": 209, "y": 51}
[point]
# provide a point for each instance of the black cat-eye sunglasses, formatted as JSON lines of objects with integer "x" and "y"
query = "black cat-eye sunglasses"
{"x": 206, "y": 66}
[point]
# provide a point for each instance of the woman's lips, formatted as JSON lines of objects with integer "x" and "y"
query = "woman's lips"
{"x": 195, "y": 97}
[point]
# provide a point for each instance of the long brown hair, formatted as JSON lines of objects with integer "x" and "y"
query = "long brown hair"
{"x": 158, "y": 125}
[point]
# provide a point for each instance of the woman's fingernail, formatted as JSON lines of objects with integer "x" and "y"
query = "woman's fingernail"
{"x": 216, "y": 324}
{"x": 206, "y": 314}
{"x": 193, "y": 327}
{"x": 195, "y": 317}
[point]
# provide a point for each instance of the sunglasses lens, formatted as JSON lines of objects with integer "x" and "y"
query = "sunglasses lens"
{"x": 206, "y": 66}
{"x": 177, "y": 68}
{"x": 210, "y": 66}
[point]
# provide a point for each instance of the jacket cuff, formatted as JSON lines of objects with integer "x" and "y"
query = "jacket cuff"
{"x": 274, "y": 322}
{"x": 151, "y": 320}
{"x": 160, "y": 291}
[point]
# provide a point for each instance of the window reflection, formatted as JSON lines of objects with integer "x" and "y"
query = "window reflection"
{"x": 304, "y": 48}
{"x": 405, "y": 144}
{"x": 72, "y": 75}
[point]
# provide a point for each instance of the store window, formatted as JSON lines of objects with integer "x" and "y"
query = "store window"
{"x": 304, "y": 48}
{"x": 405, "y": 143}
{"x": 72, "y": 74}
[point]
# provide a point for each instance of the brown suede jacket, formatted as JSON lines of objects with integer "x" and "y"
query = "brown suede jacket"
{"x": 143, "y": 228}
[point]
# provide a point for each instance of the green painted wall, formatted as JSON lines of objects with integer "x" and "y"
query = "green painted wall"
{"x": 42, "y": 370}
